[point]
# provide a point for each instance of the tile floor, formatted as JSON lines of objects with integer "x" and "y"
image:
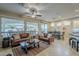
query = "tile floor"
{"x": 4, "y": 52}
{"x": 59, "y": 48}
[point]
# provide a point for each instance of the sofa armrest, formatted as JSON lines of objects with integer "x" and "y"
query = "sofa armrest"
{"x": 51, "y": 39}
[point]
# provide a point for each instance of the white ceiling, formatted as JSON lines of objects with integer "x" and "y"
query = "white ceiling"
{"x": 50, "y": 11}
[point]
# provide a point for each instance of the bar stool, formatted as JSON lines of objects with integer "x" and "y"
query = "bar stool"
{"x": 74, "y": 43}
{"x": 77, "y": 45}
{"x": 71, "y": 40}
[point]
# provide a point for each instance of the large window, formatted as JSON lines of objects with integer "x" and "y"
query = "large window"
{"x": 15, "y": 26}
{"x": 44, "y": 28}
{"x": 10, "y": 26}
{"x": 32, "y": 27}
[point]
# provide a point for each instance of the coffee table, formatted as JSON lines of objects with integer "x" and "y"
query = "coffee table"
{"x": 25, "y": 45}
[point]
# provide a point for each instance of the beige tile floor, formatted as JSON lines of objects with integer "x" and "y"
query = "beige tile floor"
{"x": 4, "y": 52}
{"x": 58, "y": 48}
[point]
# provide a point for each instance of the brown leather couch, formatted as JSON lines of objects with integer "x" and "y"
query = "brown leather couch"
{"x": 17, "y": 38}
{"x": 47, "y": 39}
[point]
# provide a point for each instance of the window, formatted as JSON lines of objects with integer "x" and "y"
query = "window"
{"x": 66, "y": 23}
{"x": 59, "y": 24}
{"x": 76, "y": 23}
{"x": 75, "y": 26}
{"x": 10, "y": 26}
{"x": 32, "y": 27}
{"x": 14, "y": 26}
{"x": 44, "y": 28}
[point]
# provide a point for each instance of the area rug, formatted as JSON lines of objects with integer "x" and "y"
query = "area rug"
{"x": 17, "y": 51}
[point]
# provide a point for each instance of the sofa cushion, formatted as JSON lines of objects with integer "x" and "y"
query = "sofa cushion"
{"x": 24, "y": 35}
{"x": 16, "y": 37}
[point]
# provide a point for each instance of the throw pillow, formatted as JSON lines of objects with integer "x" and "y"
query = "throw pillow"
{"x": 17, "y": 36}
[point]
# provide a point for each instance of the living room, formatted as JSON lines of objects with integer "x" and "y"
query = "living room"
{"x": 39, "y": 29}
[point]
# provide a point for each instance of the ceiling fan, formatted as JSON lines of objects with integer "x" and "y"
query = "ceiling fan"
{"x": 30, "y": 11}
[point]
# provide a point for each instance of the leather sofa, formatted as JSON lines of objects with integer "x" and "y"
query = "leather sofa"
{"x": 46, "y": 38}
{"x": 17, "y": 38}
